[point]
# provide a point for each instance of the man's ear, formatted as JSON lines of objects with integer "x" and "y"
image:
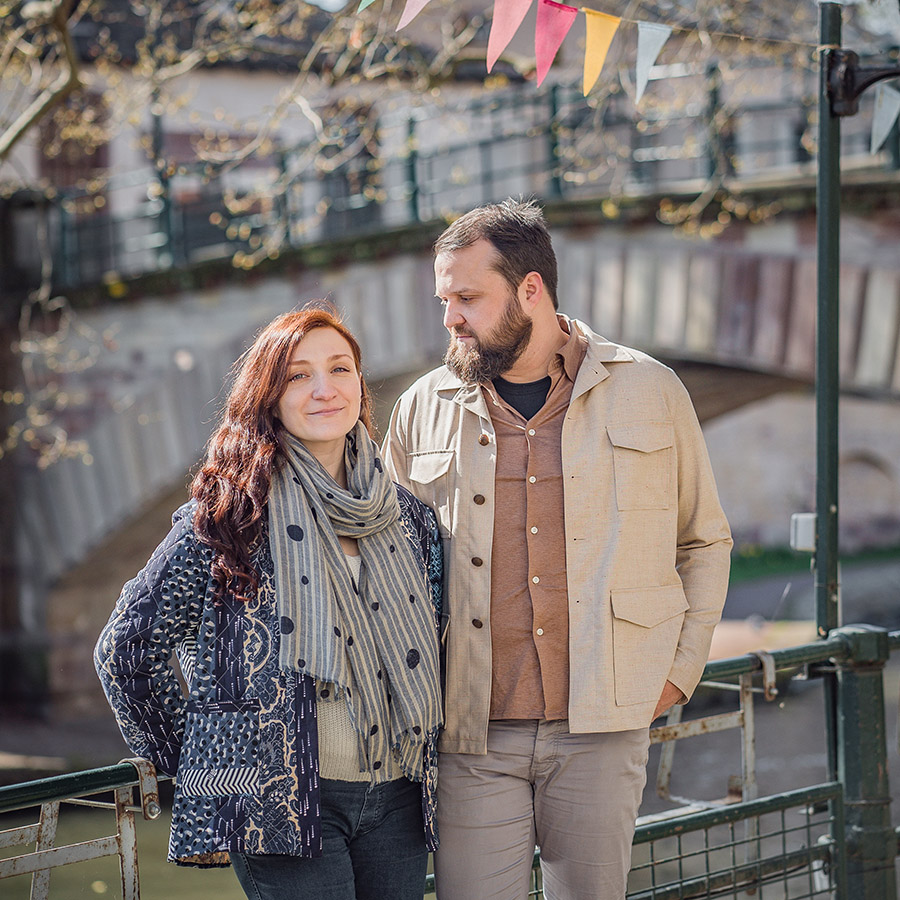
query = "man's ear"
{"x": 530, "y": 291}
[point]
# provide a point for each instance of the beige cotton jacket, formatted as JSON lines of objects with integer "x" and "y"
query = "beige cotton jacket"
{"x": 647, "y": 544}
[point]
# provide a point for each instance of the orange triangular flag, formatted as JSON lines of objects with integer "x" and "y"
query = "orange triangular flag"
{"x": 553, "y": 23}
{"x": 508, "y": 15}
{"x": 600, "y": 30}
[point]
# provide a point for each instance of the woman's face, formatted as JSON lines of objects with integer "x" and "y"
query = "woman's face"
{"x": 321, "y": 402}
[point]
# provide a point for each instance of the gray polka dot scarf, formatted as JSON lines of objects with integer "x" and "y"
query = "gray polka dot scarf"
{"x": 374, "y": 643}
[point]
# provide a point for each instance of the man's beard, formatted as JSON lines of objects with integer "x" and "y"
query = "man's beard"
{"x": 495, "y": 354}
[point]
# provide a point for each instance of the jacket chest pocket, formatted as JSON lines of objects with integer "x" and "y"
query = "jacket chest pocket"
{"x": 429, "y": 476}
{"x": 643, "y": 463}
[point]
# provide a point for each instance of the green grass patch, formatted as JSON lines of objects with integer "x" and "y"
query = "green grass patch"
{"x": 750, "y": 561}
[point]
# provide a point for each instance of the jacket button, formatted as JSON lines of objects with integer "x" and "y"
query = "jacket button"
{"x": 479, "y": 499}
{"x": 478, "y": 623}
{"x": 477, "y": 561}
{"x": 483, "y": 439}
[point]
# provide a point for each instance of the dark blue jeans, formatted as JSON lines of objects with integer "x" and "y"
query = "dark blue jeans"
{"x": 373, "y": 847}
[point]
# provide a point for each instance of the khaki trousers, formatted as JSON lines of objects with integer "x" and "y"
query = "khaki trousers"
{"x": 575, "y": 795}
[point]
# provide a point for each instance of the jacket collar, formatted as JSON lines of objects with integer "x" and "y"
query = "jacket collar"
{"x": 467, "y": 395}
{"x": 600, "y": 351}
{"x": 590, "y": 373}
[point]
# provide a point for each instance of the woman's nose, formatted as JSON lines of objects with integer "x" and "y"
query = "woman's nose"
{"x": 323, "y": 387}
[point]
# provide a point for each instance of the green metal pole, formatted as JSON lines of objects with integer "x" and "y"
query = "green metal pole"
{"x": 828, "y": 221}
{"x": 412, "y": 177}
{"x": 713, "y": 105}
{"x": 165, "y": 253}
{"x": 871, "y": 842}
{"x": 555, "y": 186}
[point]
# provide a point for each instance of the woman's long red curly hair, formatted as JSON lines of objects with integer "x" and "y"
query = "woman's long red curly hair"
{"x": 232, "y": 486}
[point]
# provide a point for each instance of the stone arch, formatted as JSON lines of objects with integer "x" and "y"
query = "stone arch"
{"x": 869, "y": 503}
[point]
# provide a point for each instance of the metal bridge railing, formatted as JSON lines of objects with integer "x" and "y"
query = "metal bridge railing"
{"x": 429, "y": 162}
{"x": 831, "y": 840}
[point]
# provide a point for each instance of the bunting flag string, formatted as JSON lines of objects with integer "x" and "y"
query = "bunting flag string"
{"x": 887, "y": 109}
{"x": 555, "y": 20}
{"x": 553, "y": 23}
{"x": 508, "y": 16}
{"x": 651, "y": 37}
{"x": 601, "y": 28}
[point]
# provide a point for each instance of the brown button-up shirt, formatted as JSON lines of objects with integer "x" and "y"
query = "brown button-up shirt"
{"x": 529, "y": 597}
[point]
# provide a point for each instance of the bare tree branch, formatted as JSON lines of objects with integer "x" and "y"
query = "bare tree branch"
{"x": 56, "y": 14}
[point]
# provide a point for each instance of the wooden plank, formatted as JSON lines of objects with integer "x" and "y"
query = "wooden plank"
{"x": 640, "y": 296}
{"x": 671, "y": 299}
{"x": 878, "y": 331}
{"x": 703, "y": 298}
{"x": 801, "y": 338}
{"x": 772, "y": 310}
{"x": 609, "y": 286}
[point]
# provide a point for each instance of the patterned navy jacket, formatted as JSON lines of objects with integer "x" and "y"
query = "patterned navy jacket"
{"x": 243, "y": 744}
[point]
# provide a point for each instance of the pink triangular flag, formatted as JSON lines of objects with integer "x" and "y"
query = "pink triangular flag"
{"x": 508, "y": 15}
{"x": 412, "y": 9}
{"x": 553, "y": 23}
{"x": 601, "y": 28}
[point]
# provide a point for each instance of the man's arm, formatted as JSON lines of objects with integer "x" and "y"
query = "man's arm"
{"x": 393, "y": 447}
{"x": 703, "y": 552}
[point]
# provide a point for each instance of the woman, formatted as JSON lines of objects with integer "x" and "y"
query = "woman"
{"x": 299, "y": 589}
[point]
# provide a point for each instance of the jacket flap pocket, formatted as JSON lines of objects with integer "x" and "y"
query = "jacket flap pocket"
{"x": 427, "y": 466}
{"x": 649, "y": 606}
{"x": 643, "y": 436}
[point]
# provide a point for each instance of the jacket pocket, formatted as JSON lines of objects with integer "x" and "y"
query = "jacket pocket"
{"x": 646, "y": 627}
{"x": 643, "y": 462}
{"x": 429, "y": 476}
{"x": 219, "y": 757}
{"x": 429, "y": 465}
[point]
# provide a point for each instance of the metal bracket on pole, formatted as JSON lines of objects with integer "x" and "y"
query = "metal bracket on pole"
{"x": 770, "y": 690}
{"x": 148, "y": 785}
{"x": 847, "y": 79}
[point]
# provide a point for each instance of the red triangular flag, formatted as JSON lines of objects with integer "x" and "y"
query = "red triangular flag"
{"x": 508, "y": 15}
{"x": 553, "y": 23}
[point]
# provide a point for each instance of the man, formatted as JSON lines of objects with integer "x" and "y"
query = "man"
{"x": 587, "y": 561}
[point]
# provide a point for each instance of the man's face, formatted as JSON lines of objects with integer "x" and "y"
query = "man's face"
{"x": 488, "y": 330}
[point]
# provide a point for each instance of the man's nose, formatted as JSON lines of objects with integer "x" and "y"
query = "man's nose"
{"x": 452, "y": 316}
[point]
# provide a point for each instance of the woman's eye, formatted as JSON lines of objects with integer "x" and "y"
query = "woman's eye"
{"x": 297, "y": 376}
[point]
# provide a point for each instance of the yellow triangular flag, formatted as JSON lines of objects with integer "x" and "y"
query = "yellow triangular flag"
{"x": 600, "y": 30}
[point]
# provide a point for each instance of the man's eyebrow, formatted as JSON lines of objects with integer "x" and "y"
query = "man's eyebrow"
{"x": 459, "y": 293}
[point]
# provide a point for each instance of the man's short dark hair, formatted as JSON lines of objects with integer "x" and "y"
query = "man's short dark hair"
{"x": 518, "y": 231}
